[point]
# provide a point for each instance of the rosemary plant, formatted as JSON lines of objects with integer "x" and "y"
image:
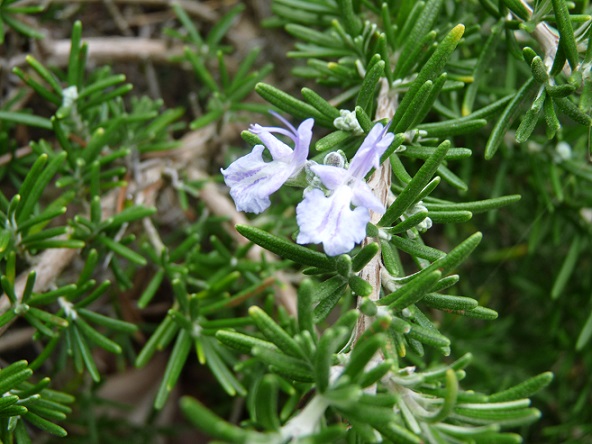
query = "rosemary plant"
{"x": 330, "y": 271}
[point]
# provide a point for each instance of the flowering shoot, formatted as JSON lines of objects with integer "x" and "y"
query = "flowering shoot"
{"x": 336, "y": 205}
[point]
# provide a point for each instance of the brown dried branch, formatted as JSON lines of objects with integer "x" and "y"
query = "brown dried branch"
{"x": 114, "y": 49}
{"x": 20, "y": 152}
{"x": 197, "y": 9}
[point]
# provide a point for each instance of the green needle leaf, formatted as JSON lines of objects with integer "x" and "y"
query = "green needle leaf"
{"x": 518, "y": 8}
{"x": 450, "y": 217}
{"x": 45, "y": 425}
{"x": 329, "y": 293}
{"x": 449, "y": 302}
{"x": 431, "y": 70}
{"x": 241, "y": 342}
{"x": 503, "y": 124}
{"x": 422, "y": 20}
{"x": 397, "y": 433}
{"x": 551, "y": 119}
{"x": 571, "y": 110}
{"x": 319, "y": 103}
{"x": 560, "y": 90}
{"x": 107, "y": 322}
{"x": 359, "y": 286}
{"x": 323, "y": 358}
{"x": 419, "y": 99}
{"x": 406, "y": 198}
{"x": 566, "y": 269}
{"x": 25, "y": 119}
{"x": 83, "y": 350}
{"x": 13, "y": 375}
{"x": 524, "y": 389}
{"x": 305, "y": 316}
{"x": 451, "y": 393}
{"x": 458, "y": 255}
{"x": 539, "y": 70}
{"x": 173, "y": 370}
{"x": 151, "y": 289}
{"x": 219, "y": 368}
{"x": 332, "y": 140}
{"x": 416, "y": 248}
{"x": 507, "y": 418}
{"x": 122, "y": 250}
{"x": 274, "y": 333}
{"x": 365, "y": 255}
{"x": 165, "y": 332}
{"x": 361, "y": 354}
{"x": 203, "y": 418}
{"x": 478, "y": 206}
{"x": 584, "y": 335}
{"x": 285, "y": 248}
{"x": 567, "y": 38}
{"x": 297, "y": 108}
{"x": 408, "y": 223}
{"x": 290, "y": 367}
{"x": 222, "y": 26}
{"x": 462, "y": 125}
{"x": 74, "y": 59}
{"x": 266, "y": 403}
{"x": 365, "y": 99}
{"x": 411, "y": 292}
{"x": 353, "y": 24}
{"x": 483, "y": 63}
{"x": 200, "y": 70}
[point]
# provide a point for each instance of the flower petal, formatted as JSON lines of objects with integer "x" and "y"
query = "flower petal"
{"x": 331, "y": 221}
{"x": 331, "y": 176}
{"x": 252, "y": 181}
{"x": 277, "y": 148}
{"x": 363, "y": 196}
{"x": 369, "y": 153}
{"x": 303, "y": 142}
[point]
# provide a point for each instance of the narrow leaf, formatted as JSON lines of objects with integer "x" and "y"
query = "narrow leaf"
{"x": 274, "y": 333}
{"x": 285, "y": 248}
{"x": 174, "y": 366}
{"x": 566, "y": 269}
{"x": 432, "y": 69}
{"x": 503, "y": 124}
{"x": 411, "y": 292}
{"x": 122, "y": 250}
{"x": 365, "y": 99}
{"x": 203, "y": 419}
{"x": 419, "y": 181}
{"x": 567, "y": 38}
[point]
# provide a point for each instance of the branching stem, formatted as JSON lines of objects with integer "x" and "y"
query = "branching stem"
{"x": 380, "y": 182}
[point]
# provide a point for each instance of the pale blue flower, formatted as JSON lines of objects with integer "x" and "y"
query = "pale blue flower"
{"x": 252, "y": 180}
{"x": 330, "y": 219}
